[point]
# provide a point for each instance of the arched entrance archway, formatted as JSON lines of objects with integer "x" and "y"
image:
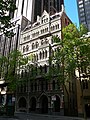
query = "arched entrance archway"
{"x": 33, "y": 104}
{"x": 22, "y": 104}
{"x": 44, "y": 104}
{"x": 57, "y": 104}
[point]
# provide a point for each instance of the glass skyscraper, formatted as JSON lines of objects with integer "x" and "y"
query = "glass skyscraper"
{"x": 84, "y": 12}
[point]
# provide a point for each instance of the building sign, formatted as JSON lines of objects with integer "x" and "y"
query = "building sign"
{"x": 53, "y": 98}
{"x": 13, "y": 99}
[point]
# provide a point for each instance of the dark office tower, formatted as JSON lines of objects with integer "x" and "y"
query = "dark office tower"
{"x": 11, "y": 14}
{"x": 36, "y": 9}
{"x": 55, "y": 5}
{"x": 45, "y": 5}
{"x": 84, "y": 12}
{"x": 51, "y": 6}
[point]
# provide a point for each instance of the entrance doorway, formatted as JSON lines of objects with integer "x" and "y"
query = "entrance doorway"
{"x": 44, "y": 104}
{"x": 22, "y": 104}
{"x": 57, "y": 104}
{"x": 87, "y": 108}
{"x": 33, "y": 104}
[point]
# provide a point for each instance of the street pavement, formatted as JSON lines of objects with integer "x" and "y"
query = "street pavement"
{"x": 32, "y": 116}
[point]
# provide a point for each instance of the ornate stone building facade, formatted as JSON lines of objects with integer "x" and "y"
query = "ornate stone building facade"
{"x": 42, "y": 94}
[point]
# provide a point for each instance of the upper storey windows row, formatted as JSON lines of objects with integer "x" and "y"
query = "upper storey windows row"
{"x": 35, "y": 45}
{"x": 42, "y": 31}
{"x": 27, "y": 37}
{"x": 43, "y": 25}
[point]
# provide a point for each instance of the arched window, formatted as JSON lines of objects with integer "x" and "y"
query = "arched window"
{"x": 46, "y": 19}
{"x": 37, "y": 44}
{"x": 42, "y": 42}
{"x": 27, "y": 48}
{"x": 36, "y": 56}
{"x": 32, "y": 45}
{"x": 66, "y": 23}
{"x": 23, "y": 48}
{"x": 58, "y": 26}
{"x": 45, "y": 29}
{"x": 53, "y": 27}
{"x": 46, "y": 40}
{"x": 45, "y": 53}
{"x": 40, "y": 55}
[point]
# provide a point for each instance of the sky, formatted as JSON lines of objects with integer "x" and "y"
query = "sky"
{"x": 71, "y": 11}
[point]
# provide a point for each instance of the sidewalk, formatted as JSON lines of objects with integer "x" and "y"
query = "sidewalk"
{"x": 4, "y": 117}
{"x": 46, "y": 116}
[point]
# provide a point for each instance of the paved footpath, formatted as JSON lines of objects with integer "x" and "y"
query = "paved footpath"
{"x": 31, "y": 116}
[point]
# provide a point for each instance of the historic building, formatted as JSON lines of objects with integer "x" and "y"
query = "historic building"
{"x": 40, "y": 93}
{"x": 84, "y": 12}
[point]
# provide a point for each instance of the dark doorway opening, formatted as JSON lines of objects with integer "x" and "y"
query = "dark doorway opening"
{"x": 22, "y": 104}
{"x": 44, "y": 104}
{"x": 87, "y": 108}
{"x": 33, "y": 104}
{"x": 57, "y": 104}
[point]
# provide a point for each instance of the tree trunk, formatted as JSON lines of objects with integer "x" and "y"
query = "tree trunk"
{"x": 67, "y": 98}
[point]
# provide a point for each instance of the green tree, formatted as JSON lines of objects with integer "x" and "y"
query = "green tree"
{"x": 10, "y": 67}
{"x": 73, "y": 55}
{"x": 7, "y": 7}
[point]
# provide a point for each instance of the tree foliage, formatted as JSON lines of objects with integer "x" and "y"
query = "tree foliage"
{"x": 10, "y": 67}
{"x": 73, "y": 54}
{"x": 7, "y": 7}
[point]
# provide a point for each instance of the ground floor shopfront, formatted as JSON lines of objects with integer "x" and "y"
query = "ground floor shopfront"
{"x": 47, "y": 103}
